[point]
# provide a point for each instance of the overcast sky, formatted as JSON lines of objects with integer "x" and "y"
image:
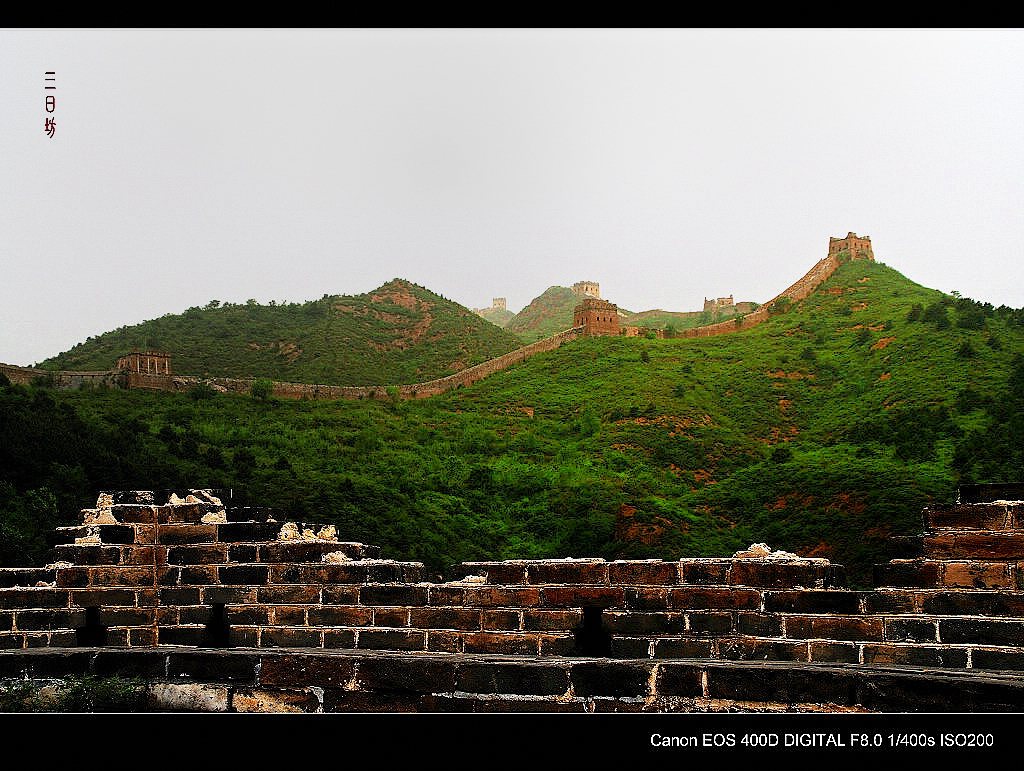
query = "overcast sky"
{"x": 190, "y": 165}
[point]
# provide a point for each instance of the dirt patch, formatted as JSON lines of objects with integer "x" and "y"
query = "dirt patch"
{"x": 864, "y": 280}
{"x": 703, "y": 477}
{"x": 820, "y": 549}
{"x": 795, "y": 375}
{"x": 882, "y": 343}
{"x": 784, "y": 404}
{"x": 287, "y": 350}
{"x": 858, "y": 306}
{"x": 837, "y": 290}
{"x": 846, "y": 503}
{"x": 885, "y": 376}
{"x": 872, "y": 327}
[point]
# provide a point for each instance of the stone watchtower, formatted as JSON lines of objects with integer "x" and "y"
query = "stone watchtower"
{"x": 587, "y": 289}
{"x": 597, "y": 317}
{"x": 859, "y": 247}
{"x": 498, "y": 304}
{"x": 145, "y": 363}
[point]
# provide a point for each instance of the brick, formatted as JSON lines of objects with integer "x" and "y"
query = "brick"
{"x": 88, "y": 555}
{"x": 181, "y": 534}
{"x": 233, "y": 595}
{"x": 295, "y": 594}
{"x": 782, "y": 684}
{"x": 243, "y": 637}
{"x": 704, "y": 572}
{"x": 287, "y": 615}
{"x": 5, "y": 621}
{"x": 813, "y": 601}
{"x": 610, "y": 679}
{"x": 392, "y": 639}
{"x": 445, "y": 618}
{"x": 634, "y": 623}
{"x": 243, "y": 552}
{"x": 834, "y": 627}
{"x": 646, "y": 598}
{"x": 679, "y": 680}
{"x": 198, "y": 575}
{"x": 567, "y": 572}
{"x": 134, "y": 514}
{"x": 393, "y": 595}
{"x": 523, "y": 679}
{"x": 340, "y": 595}
{"x": 978, "y": 575}
{"x": 495, "y": 642}
{"x": 258, "y": 700}
{"x": 630, "y": 648}
{"x": 502, "y": 620}
{"x": 329, "y": 615}
{"x": 145, "y": 534}
{"x": 148, "y": 664}
{"x": 124, "y": 617}
{"x": 242, "y": 574}
{"x": 214, "y": 667}
{"x": 981, "y": 632}
{"x": 643, "y": 572}
{"x": 206, "y": 554}
{"x": 752, "y": 649}
{"x": 915, "y": 655}
{"x": 187, "y": 697}
{"x": 985, "y": 545}
{"x": 336, "y": 700}
{"x": 63, "y": 638}
{"x": 889, "y": 602}
{"x": 91, "y": 598}
{"x": 47, "y": 664}
{"x": 318, "y": 574}
{"x": 982, "y": 516}
{"x": 584, "y": 596}
{"x": 300, "y": 551}
{"x": 168, "y": 576}
{"x": 835, "y": 652}
{"x": 982, "y": 658}
{"x": 705, "y": 598}
{"x": 116, "y": 534}
{"x": 246, "y": 531}
{"x": 121, "y": 576}
{"x": 12, "y": 577}
{"x": 558, "y": 645}
{"x": 494, "y": 597}
{"x": 72, "y": 577}
{"x": 784, "y": 575}
{"x": 446, "y": 642}
{"x": 247, "y": 615}
{"x": 446, "y": 595}
{"x": 339, "y": 638}
{"x": 496, "y": 572}
{"x": 683, "y": 648}
{"x": 47, "y": 619}
{"x": 406, "y": 674}
{"x": 41, "y": 597}
{"x": 392, "y": 617}
{"x": 552, "y": 620}
{"x": 759, "y": 624}
{"x": 909, "y": 630}
{"x": 144, "y": 555}
{"x": 975, "y": 603}
{"x": 179, "y": 595}
{"x": 42, "y": 640}
{"x": 710, "y": 623}
{"x": 289, "y": 637}
{"x": 182, "y": 635}
{"x": 11, "y": 641}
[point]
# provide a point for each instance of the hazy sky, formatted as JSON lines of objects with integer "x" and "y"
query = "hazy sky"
{"x": 190, "y": 165}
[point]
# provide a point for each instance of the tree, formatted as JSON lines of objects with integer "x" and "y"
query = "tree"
{"x": 262, "y": 389}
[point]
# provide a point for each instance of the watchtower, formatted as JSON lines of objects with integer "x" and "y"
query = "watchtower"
{"x": 146, "y": 363}
{"x": 587, "y": 289}
{"x": 859, "y": 247}
{"x": 597, "y": 317}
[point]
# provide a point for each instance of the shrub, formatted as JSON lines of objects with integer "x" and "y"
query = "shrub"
{"x": 262, "y": 388}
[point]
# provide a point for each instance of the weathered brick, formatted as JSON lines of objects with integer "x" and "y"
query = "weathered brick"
{"x": 293, "y": 670}
{"x": 5, "y": 621}
{"x": 634, "y": 623}
{"x": 301, "y": 551}
{"x": 525, "y": 679}
{"x": 144, "y": 555}
{"x": 35, "y": 597}
{"x": 981, "y": 632}
{"x": 847, "y": 653}
{"x": 47, "y": 619}
{"x": 983, "y": 516}
{"x": 260, "y": 700}
{"x": 978, "y": 575}
{"x": 646, "y": 598}
{"x": 496, "y": 597}
{"x": 782, "y": 684}
{"x": 502, "y": 620}
{"x": 182, "y": 635}
{"x": 992, "y": 545}
{"x": 974, "y": 603}
{"x": 331, "y": 615}
{"x": 783, "y": 575}
{"x": 834, "y": 627}
{"x": 88, "y": 555}
{"x": 446, "y": 595}
{"x": 610, "y": 679}
{"x": 119, "y": 576}
{"x": 233, "y": 595}
{"x": 683, "y": 648}
{"x": 206, "y": 554}
{"x": 116, "y": 534}
{"x": 214, "y": 667}
{"x": 889, "y": 602}
{"x": 584, "y": 596}
{"x": 552, "y": 620}
{"x": 406, "y": 674}
{"x": 813, "y": 601}
{"x": 198, "y": 575}
{"x": 246, "y": 531}
{"x": 289, "y": 637}
{"x": 124, "y": 616}
{"x": 445, "y": 618}
{"x": 336, "y": 700}
{"x": 339, "y": 638}
{"x": 982, "y": 658}
{"x": 353, "y": 573}
{"x": 446, "y": 642}
{"x": 630, "y": 647}
{"x": 181, "y": 534}
{"x": 701, "y": 598}
{"x": 679, "y": 680}
{"x": 915, "y": 655}
{"x": 704, "y": 572}
{"x": 12, "y": 577}
{"x": 242, "y": 574}
{"x": 496, "y": 572}
{"x": 907, "y": 573}
{"x": 135, "y": 514}
{"x": 393, "y": 617}
{"x": 340, "y": 595}
{"x": 149, "y": 664}
{"x": 243, "y": 552}
{"x": 393, "y": 595}
{"x": 291, "y": 594}
{"x": 144, "y": 534}
{"x": 243, "y": 637}
{"x": 497, "y": 642}
{"x": 558, "y": 645}
{"x": 643, "y": 572}
{"x": 287, "y": 615}
{"x": 909, "y": 630}
{"x": 392, "y": 639}
{"x": 753, "y": 649}
{"x": 759, "y": 624}
{"x": 187, "y": 697}
{"x": 72, "y": 577}
{"x": 10, "y": 641}
{"x": 710, "y": 623}
{"x": 247, "y": 615}
{"x": 567, "y": 572}
{"x": 179, "y": 595}
{"x": 92, "y": 598}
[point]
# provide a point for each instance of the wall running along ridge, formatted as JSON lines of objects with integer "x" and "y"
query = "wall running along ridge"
{"x": 228, "y": 588}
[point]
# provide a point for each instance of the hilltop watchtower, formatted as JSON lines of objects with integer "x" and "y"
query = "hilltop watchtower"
{"x": 587, "y": 289}
{"x": 499, "y": 304}
{"x": 859, "y": 247}
{"x": 145, "y": 363}
{"x": 597, "y": 317}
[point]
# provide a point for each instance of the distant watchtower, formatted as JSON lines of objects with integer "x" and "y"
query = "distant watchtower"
{"x": 859, "y": 247}
{"x": 498, "y": 304}
{"x": 146, "y": 363}
{"x": 597, "y": 317}
{"x": 587, "y": 289}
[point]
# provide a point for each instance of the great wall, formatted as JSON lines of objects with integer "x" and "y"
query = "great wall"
{"x": 225, "y": 609}
{"x": 592, "y": 317}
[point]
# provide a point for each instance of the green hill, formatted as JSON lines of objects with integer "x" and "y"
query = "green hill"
{"x": 546, "y": 315}
{"x": 399, "y": 333}
{"x": 822, "y": 431}
{"x": 500, "y": 317}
